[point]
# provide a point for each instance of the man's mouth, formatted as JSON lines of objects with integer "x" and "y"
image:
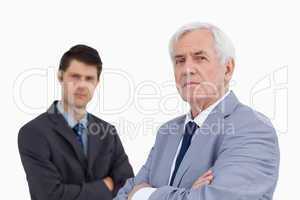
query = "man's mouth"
{"x": 190, "y": 83}
{"x": 80, "y": 95}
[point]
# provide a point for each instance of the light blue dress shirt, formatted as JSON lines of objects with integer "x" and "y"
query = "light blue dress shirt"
{"x": 72, "y": 122}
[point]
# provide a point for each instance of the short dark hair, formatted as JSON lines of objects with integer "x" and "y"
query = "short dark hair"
{"x": 82, "y": 53}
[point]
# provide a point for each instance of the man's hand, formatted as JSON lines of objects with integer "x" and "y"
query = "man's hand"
{"x": 109, "y": 183}
{"x": 206, "y": 178}
{"x": 137, "y": 188}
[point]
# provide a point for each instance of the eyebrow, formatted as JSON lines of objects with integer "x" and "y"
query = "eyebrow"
{"x": 78, "y": 74}
{"x": 201, "y": 52}
{"x": 91, "y": 77}
{"x": 178, "y": 56}
{"x": 74, "y": 73}
{"x": 197, "y": 53}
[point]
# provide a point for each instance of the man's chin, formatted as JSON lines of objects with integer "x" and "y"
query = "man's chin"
{"x": 197, "y": 97}
{"x": 80, "y": 105}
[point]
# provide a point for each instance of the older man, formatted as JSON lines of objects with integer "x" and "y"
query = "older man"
{"x": 232, "y": 147}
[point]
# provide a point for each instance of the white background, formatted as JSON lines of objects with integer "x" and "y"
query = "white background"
{"x": 137, "y": 91}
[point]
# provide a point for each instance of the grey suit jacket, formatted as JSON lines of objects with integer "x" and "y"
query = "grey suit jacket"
{"x": 239, "y": 144}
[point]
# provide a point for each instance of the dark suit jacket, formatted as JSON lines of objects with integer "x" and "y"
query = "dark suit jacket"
{"x": 56, "y": 167}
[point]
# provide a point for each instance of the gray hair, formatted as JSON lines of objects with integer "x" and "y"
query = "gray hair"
{"x": 223, "y": 45}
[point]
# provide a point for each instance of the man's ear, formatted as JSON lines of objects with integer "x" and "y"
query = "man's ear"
{"x": 229, "y": 69}
{"x": 60, "y": 76}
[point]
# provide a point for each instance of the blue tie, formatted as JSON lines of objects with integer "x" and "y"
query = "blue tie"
{"x": 190, "y": 128}
{"x": 78, "y": 129}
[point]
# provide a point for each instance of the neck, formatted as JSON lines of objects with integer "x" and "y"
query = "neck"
{"x": 201, "y": 104}
{"x": 76, "y": 112}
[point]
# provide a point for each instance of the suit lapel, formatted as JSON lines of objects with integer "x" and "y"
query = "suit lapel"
{"x": 215, "y": 118}
{"x": 61, "y": 127}
{"x": 199, "y": 141}
{"x": 172, "y": 144}
{"x": 95, "y": 143}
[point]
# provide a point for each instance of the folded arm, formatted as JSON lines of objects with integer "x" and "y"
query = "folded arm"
{"x": 44, "y": 179}
{"x": 246, "y": 168}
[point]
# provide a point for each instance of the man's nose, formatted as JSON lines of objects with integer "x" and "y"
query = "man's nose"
{"x": 190, "y": 67}
{"x": 84, "y": 84}
{"x": 81, "y": 83}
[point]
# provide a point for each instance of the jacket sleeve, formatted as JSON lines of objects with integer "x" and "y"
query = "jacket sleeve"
{"x": 44, "y": 179}
{"x": 246, "y": 168}
{"x": 142, "y": 176}
{"x": 121, "y": 169}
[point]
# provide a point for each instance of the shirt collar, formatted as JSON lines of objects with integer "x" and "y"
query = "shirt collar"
{"x": 69, "y": 118}
{"x": 201, "y": 117}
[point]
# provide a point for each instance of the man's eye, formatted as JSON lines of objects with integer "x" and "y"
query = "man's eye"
{"x": 178, "y": 61}
{"x": 201, "y": 58}
{"x": 74, "y": 76}
{"x": 90, "y": 79}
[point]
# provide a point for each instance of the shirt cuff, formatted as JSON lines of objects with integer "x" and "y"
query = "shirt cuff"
{"x": 143, "y": 194}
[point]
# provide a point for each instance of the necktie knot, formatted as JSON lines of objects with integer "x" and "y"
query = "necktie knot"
{"x": 190, "y": 128}
{"x": 78, "y": 128}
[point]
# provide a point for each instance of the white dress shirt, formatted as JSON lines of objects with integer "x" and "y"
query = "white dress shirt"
{"x": 145, "y": 193}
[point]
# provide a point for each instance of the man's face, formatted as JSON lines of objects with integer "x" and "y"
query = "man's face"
{"x": 78, "y": 83}
{"x": 198, "y": 71}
